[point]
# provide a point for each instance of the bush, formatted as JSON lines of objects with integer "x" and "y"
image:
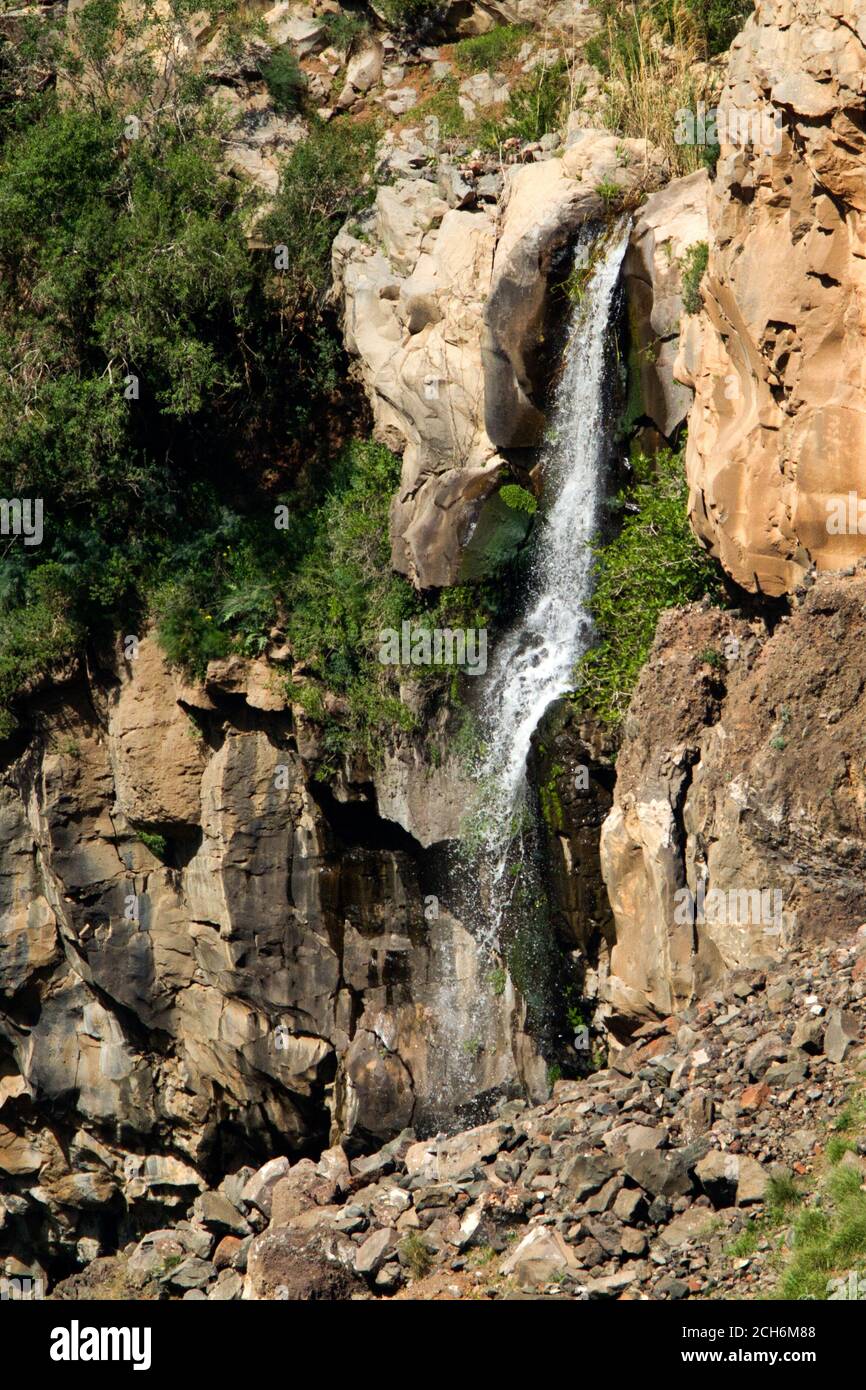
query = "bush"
{"x": 443, "y": 103}
{"x": 344, "y": 28}
{"x": 538, "y": 104}
{"x": 154, "y": 374}
{"x": 285, "y": 81}
{"x": 37, "y": 634}
{"x": 326, "y": 179}
{"x": 487, "y": 52}
{"x": 707, "y": 25}
{"x": 416, "y": 1254}
{"x": 157, "y": 844}
{"x": 647, "y": 80}
{"x": 343, "y": 594}
{"x": 693, "y": 266}
{"x": 518, "y": 498}
{"x": 654, "y": 563}
{"x": 413, "y": 19}
{"x": 716, "y": 22}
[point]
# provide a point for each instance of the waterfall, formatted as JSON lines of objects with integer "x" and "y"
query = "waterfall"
{"x": 533, "y": 665}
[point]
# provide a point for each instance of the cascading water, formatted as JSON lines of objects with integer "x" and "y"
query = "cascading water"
{"x": 533, "y": 663}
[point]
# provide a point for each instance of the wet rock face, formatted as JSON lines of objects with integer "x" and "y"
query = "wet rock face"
{"x": 572, "y": 771}
{"x": 735, "y": 780}
{"x": 777, "y": 429}
{"x": 206, "y": 956}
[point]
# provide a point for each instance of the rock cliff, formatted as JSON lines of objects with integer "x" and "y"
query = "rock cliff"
{"x": 776, "y": 432}
{"x": 236, "y": 992}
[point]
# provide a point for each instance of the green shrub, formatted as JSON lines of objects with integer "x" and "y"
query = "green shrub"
{"x": 694, "y": 264}
{"x": 344, "y": 28}
{"x": 157, "y": 844}
{"x": 710, "y": 24}
{"x": 782, "y": 1194}
{"x": 443, "y": 103}
{"x": 609, "y": 192}
{"x": 343, "y": 594}
{"x": 189, "y": 637}
{"x": 837, "y": 1147}
{"x": 414, "y": 19}
{"x": 717, "y": 22}
{"x": 653, "y": 563}
{"x": 537, "y": 105}
{"x": 517, "y": 497}
{"x": 37, "y": 634}
{"x": 416, "y": 1254}
{"x": 487, "y": 52}
{"x": 327, "y": 179}
{"x": 285, "y": 81}
{"x": 156, "y": 378}
{"x": 652, "y": 72}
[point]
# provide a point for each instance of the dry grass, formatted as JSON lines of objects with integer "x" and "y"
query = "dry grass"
{"x": 650, "y": 81}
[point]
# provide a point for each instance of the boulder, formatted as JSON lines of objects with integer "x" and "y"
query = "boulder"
{"x": 542, "y": 1255}
{"x": 841, "y": 1032}
{"x": 729, "y": 1178}
{"x": 660, "y": 1173}
{"x": 298, "y": 1266}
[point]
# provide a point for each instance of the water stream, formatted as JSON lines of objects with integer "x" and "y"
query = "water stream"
{"x": 532, "y": 666}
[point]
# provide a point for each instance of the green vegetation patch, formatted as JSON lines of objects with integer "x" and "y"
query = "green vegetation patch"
{"x": 162, "y": 381}
{"x": 487, "y": 52}
{"x": 693, "y": 265}
{"x": 653, "y": 563}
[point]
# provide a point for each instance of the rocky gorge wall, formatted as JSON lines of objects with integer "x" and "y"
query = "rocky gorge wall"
{"x": 775, "y": 358}
{"x": 208, "y": 956}
{"x": 214, "y": 948}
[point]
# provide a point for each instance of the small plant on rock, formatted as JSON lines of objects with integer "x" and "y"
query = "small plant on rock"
{"x": 694, "y": 263}
{"x": 416, "y": 1254}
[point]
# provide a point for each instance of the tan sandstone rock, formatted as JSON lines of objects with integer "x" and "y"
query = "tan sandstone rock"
{"x": 778, "y": 427}
{"x": 446, "y": 311}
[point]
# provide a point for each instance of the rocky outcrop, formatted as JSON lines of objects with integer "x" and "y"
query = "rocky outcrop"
{"x": 633, "y": 1182}
{"x": 737, "y": 825}
{"x": 571, "y": 769}
{"x": 669, "y": 223}
{"x": 444, "y": 292}
{"x": 543, "y": 205}
{"x": 778, "y": 428}
{"x": 207, "y": 955}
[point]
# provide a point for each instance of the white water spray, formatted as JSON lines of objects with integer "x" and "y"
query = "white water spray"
{"x": 533, "y": 665}
{"x": 534, "y": 662}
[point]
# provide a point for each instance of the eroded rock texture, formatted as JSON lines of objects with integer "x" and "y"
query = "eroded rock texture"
{"x": 446, "y": 306}
{"x": 776, "y": 357}
{"x": 207, "y": 955}
{"x": 670, "y": 222}
{"x": 739, "y": 771}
